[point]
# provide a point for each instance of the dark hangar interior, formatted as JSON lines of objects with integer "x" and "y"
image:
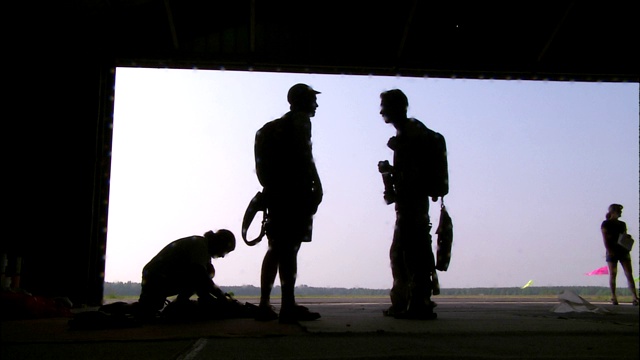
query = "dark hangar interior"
{"x": 62, "y": 56}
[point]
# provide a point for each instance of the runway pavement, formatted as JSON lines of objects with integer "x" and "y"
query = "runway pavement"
{"x": 352, "y": 329}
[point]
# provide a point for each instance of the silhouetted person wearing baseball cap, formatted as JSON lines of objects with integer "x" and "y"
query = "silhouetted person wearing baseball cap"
{"x": 292, "y": 193}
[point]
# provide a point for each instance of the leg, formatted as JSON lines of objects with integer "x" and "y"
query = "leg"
{"x": 420, "y": 264}
{"x": 298, "y": 230}
{"x": 291, "y": 312}
{"x": 270, "y": 264}
{"x": 271, "y": 261}
{"x": 288, "y": 267}
{"x": 151, "y": 300}
{"x": 268, "y": 276}
{"x": 400, "y": 290}
{"x": 628, "y": 272}
{"x": 613, "y": 272}
{"x": 266, "y": 311}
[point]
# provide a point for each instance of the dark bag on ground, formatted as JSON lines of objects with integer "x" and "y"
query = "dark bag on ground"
{"x": 445, "y": 240}
{"x": 197, "y": 310}
{"x": 110, "y": 316}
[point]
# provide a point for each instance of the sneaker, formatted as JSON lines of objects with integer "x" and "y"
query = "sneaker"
{"x": 289, "y": 315}
{"x": 266, "y": 313}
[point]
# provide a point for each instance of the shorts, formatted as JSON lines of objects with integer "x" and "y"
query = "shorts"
{"x": 288, "y": 227}
{"x": 621, "y": 256}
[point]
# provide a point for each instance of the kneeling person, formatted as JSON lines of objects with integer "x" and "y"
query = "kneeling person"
{"x": 184, "y": 268}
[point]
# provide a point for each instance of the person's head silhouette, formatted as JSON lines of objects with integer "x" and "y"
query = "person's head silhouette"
{"x": 302, "y": 97}
{"x": 393, "y": 106}
{"x": 220, "y": 242}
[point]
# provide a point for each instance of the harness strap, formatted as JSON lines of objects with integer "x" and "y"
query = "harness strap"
{"x": 255, "y": 205}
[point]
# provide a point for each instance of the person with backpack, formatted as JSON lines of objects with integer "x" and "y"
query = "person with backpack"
{"x": 419, "y": 172}
{"x": 291, "y": 195}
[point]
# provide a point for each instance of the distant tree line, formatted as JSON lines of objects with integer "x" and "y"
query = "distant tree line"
{"x": 112, "y": 289}
{"x": 117, "y": 289}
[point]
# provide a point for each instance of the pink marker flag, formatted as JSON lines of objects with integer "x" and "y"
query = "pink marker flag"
{"x": 601, "y": 271}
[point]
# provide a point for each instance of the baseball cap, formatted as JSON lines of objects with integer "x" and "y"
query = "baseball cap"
{"x": 300, "y": 93}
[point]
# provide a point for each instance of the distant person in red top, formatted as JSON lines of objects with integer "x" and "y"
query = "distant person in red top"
{"x": 184, "y": 268}
{"x": 611, "y": 229}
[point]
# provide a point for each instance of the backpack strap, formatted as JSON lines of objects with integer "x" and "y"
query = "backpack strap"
{"x": 255, "y": 205}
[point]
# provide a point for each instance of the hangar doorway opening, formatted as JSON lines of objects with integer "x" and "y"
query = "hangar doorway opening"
{"x": 531, "y": 169}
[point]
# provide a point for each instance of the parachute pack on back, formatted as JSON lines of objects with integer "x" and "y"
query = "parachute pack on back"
{"x": 438, "y": 183}
{"x": 264, "y": 148}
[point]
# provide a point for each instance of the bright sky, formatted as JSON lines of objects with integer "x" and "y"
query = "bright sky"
{"x": 533, "y": 167}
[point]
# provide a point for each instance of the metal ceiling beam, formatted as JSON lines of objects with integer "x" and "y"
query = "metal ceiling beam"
{"x": 172, "y": 27}
{"x": 555, "y": 31}
{"x": 252, "y": 27}
{"x": 405, "y": 33}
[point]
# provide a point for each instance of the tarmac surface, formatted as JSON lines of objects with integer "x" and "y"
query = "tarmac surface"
{"x": 353, "y": 329}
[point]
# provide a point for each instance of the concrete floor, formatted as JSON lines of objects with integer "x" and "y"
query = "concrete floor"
{"x": 353, "y": 329}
